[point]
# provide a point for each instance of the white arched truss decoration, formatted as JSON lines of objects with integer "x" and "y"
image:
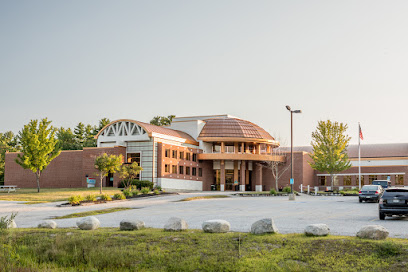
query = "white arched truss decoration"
{"x": 122, "y": 128}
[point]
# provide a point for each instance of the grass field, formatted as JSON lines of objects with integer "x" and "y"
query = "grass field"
{"x": 157, "y": 250}
{"x": 52, "y": 195}
{"x": 91, "y": 213}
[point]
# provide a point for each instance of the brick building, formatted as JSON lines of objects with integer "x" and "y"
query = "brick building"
{"x": 218, "y": 152}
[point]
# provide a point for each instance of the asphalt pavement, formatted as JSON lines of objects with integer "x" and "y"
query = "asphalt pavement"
{"x": 344, "y": 215}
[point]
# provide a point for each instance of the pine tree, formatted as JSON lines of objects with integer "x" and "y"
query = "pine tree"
{"x": 330, "y": 143}
{"x": 39, "y": 147}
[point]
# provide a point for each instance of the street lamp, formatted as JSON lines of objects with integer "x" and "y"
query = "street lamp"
{"x": 291, "y": 145}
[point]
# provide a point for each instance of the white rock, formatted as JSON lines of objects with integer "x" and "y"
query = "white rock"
{"x": 88, "y": 223}
{"x": 131, "y": 225}
{"x": 175, "y": 224}
{"x": 262, "y": 226}
{"x": 215, "y": 226}
{"x": 48, "y": 224}
{"x": 12, "y": 225}
{"x": 317, "y": 230}
{"x": 375, "y": 232}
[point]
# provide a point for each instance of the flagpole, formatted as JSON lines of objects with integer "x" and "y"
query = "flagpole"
{"x": 359, "y": 165}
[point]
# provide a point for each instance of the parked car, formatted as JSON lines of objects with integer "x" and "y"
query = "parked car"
{"x": 384, "y": 183}
{"x": 370, "y": 192}
{"x": 394, "y": 201}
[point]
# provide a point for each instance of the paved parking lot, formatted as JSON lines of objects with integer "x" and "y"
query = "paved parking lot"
{"x": 344, "y": 215}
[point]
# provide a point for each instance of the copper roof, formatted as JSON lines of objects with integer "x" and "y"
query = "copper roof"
{"x": 233, "y": 128}
{"x": 157, "y": 129}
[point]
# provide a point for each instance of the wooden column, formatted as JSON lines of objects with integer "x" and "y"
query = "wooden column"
{"x": 235, "y": 148}
{"x": 235, "y": 171}
{"x": 242, "y": 147}
{"x": 243, "y": 175}
{"x": 222, "y": 180}
{"x": 222, "y": 147}
{"x": 258, "y": 177}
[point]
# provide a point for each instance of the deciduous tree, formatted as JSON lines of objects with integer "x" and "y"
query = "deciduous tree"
{"x": 8, "y": 143}
{"x": 39, "y": 147}
{"x": 129, "y": 172}
{"x": 106, "y": 164}
{"x": 162, "y": 120}
{"x": 329, "y": 143}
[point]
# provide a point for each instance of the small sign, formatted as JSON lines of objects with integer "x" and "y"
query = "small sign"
{"x": 236, "y": 182}
{"x": 292, "y": 181}
{"x": 90, "y": 182}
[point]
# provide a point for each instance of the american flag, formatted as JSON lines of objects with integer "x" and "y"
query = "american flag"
{"x": 360, "y": 132}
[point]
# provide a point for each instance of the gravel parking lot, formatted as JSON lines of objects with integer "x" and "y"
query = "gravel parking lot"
{"x": 344, "y": 215}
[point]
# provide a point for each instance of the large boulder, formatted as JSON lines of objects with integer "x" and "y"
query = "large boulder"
{"x": 375, "y": 232}
{"x": 262, "y": 226}
{"x": 317, "y": 230}
{"x": 47, "y": 224}
{"x": 131, "y": 225}
{"x": 88, "y": 223}
{"x": 216, "y": 226}
{"x": 175, "y": 224}
{"x": 12, "y": 225}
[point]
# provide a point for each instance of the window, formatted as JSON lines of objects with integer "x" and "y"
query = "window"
{"x": 188, "y": 156}
{"x": 399, "y": 179}
{"x": 167, "y": 153}
{"x": 133, "y": 157}
{"x": 174, "y": 169}
{"x": 362, "y": 180}
{"x": 187, "y": 170}
{"x": 322, "y": 181}
{"x": 167, "y": 168}
{"x": 216, "y": 148}
{"x": 347, "y": 180}
{"x": 181, "y": 155}
{"x": 194, "y": 157}
{"x": 371, "y": 178}
{"x": 229, "y": 149}
{"x": 194, "y": 171}
{"x": 200, "y": 172}
{"x": 181, "y": 170}
{"x": 174, "y": 154}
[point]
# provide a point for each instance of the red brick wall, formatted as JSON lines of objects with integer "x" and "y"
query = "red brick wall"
{"x": 67, "y": 170}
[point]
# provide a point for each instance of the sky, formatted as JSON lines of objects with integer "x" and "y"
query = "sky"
{"x": 80, "y": 61}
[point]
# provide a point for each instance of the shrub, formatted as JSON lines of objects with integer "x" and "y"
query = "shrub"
{"x": 145, "y": 190}
{"x": 5, "y": 221}
{"x": 156, "y": 192}
{"x": 127, "y": 192}
{"x": 106, "y": 197}
{"x": 136, "y": 192}
{"x": 75, "y": 199}
{"x": 158, "y": 188}
{"x": 90, "y": 198}
{"x": 286, "y": 189}
{"x": 119, "y": 196}
{"x": 273, "y": 192}
{"x": 138, "y": 183}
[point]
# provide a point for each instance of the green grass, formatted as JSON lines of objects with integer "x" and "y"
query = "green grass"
{"x": 52, "y": 195}
{"x": 193, "y": 250}
{"x": 90, "y": 213}
{"x": 203, "y": 197}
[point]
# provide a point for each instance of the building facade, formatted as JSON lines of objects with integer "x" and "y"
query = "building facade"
{"x": 217, "y": 152}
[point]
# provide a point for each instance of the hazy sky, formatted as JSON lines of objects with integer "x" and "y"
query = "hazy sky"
{"x": 74, "y": 61}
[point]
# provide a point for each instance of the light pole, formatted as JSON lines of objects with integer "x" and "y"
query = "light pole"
{"x": 291, "y": 144}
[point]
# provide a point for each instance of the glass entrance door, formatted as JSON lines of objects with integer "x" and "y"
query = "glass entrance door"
{"x": 229, "y": 180}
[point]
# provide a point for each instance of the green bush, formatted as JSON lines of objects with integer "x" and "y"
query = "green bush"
{"x": 145, "y": 190}
{"x": 158, "y": 188}
{"x": 286, "y": 189}
{"x": 273, "y": 192}
{"x": 119, "y": 196}
{"x": 127, "y": 192}
{"x": 138, "y": 183}
{"x": 136, "y": 192}
{"x": 106, "y": 197}
{"x": 5, "y": 221}
{"x": 156, "y": 192}
{"x": 75, "y": 199}
{"x": 91, "y": 198}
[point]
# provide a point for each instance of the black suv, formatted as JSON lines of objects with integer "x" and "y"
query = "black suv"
{"x": 394, "y": 201}
{"x": 370, "y": 192}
